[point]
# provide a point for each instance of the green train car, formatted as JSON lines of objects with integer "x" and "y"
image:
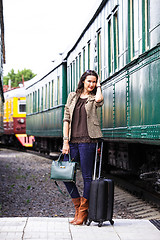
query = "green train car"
{"x": 45, "y": 101}
{"x": 122, "y": 43}
{"x": 2, "y": 61}
{"x": 131, "y": 115}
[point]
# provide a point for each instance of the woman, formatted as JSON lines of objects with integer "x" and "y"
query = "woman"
{"x": 81, "y": 131}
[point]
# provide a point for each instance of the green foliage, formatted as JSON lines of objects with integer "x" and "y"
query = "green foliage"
{"x": 29, "y": 187}
{"x": 16, "y": 78}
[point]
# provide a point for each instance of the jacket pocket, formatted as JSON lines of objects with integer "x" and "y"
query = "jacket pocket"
{"x": 96, "y": 122}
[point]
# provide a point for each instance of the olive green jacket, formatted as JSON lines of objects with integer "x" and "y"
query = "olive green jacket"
{"x": 91, "y": 105}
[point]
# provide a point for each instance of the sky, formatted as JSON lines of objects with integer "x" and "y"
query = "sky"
{"x": 37, "y": 31}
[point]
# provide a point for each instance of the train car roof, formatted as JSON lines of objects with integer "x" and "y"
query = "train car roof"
{"x": 17, "y": 92}
{"x": 40, "y": 77}
{"x": 100, "y": 4}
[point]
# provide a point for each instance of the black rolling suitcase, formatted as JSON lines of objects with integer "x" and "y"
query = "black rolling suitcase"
{"x": 101, "y": 197}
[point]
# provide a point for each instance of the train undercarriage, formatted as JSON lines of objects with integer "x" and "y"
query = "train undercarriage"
{"x": 47, "y": 145}
{"x": 17, "y": 140}
{"x": 141, "y": 160}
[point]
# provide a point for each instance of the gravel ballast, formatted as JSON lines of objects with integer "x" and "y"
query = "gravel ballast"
{"x": 27, "y": 190}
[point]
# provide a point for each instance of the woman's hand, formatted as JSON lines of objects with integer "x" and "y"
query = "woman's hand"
{"x": 98, "y": 82}
{"x": 65, "y": 149}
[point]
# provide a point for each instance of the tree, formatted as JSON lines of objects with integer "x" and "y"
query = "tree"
{"x": 16, "y": 78}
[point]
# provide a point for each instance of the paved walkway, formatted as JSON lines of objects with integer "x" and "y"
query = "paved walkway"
{"x": 59, "y": 229}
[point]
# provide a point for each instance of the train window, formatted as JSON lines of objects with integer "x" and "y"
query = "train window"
{"x": 116, "y": 41}
{"x": 110, "y": 55}
{"x": 77, "y": 71}
{"x": 74, "y": 77}
{"x": 79, "y": 65}
{"x": 42, "y": 99}
{"x": 49, "y": 95}
{"x": 84, "y": 52}
{"x": 30, "y": 102}
{"x": 35, "y": 101}
{"x": 27, "y": 103}
{"x": 38, "y": 100}
{"x": 99, "y": 52}
{"x": 89, "y": 54}
{"x": 133, "y": 28}
{"x": 70, "y": 84}
{"x": 58, "y": 90}
{"x": 145, "y": 25}
{"x": 52, "y": 93}
{"x": 130, "y": 30}
{"x": 68, "y": 79}
{"x": 46, "y": 96}
{"x": 21, "y": 106}
{"x": 30, "y": 106}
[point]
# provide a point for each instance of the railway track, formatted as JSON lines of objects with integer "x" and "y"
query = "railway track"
{"x": 138, "y": 189}
{"x": 52, "y": 156}
{"x": 136, "y": 206}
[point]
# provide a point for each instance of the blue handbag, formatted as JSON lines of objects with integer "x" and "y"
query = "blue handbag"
{"x": 64, "y": 170}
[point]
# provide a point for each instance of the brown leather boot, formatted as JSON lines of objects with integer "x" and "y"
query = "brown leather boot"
{"x": 76, "y": 202}
{"x": 83, "y": 212}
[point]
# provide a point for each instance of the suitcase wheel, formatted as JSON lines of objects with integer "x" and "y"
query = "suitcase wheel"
{"x": 89, "y": 222}
{"x": 111, "y": 222}
{"x": 100, "y": 224}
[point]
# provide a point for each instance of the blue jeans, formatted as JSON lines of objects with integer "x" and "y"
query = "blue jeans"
{"x": 85, "y": 154}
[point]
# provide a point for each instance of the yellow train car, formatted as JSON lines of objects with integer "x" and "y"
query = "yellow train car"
{"x": 15, "y": 118}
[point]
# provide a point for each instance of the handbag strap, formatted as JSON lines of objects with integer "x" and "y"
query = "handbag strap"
{"x": 59, "y": 189}
{"x": 60, "y": 156}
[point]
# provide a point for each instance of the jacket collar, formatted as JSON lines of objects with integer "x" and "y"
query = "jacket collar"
{"x": 91, "y": 97}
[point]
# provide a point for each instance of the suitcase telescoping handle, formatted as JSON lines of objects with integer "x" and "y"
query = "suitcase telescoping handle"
{"x": 100, "y": 163}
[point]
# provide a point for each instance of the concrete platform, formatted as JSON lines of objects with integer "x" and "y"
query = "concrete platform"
{"x": 40, "y": 228}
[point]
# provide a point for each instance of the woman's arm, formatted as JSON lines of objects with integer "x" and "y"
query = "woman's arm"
{"x": 65, "y": 149}
{"x": 99, "y": 96}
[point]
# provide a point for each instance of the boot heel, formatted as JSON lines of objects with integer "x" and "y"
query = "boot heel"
{"x": 85, "y": 221}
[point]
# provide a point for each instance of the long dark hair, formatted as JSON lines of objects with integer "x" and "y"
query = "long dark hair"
{"x": 83, "y": 77}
